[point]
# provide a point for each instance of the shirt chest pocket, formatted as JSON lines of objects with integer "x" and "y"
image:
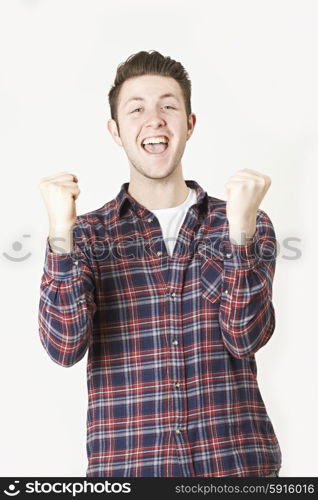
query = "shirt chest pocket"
{"x": 211, "y": 270}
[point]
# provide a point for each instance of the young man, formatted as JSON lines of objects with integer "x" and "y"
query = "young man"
{"x": 169, "y": 290}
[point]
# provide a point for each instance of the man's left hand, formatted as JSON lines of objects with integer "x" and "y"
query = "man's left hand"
{"x": 245, "y": 191}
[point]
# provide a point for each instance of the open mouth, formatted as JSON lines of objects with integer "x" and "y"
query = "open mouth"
{"x": 156, "y": 148}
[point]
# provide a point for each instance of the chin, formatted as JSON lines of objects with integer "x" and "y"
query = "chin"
{"x": 153, "y": 175}
{"x": 158, "y": 171}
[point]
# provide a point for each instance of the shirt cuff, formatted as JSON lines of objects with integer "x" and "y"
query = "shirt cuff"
{"x": 241, "y": 256}
{"x": 62, "y": 266}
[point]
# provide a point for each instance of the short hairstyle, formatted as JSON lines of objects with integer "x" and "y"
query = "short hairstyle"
{"x": 149, "y": 63}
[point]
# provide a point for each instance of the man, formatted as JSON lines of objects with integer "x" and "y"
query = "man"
{"x": 169, "y": 290}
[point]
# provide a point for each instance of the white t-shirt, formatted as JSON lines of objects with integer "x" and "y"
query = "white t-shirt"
{"x": 171, "y": 219}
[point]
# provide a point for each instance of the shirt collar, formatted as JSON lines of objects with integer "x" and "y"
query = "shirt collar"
{"x": 125, "y": 200}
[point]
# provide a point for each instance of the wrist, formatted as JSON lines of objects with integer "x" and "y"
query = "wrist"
{"x": 56, "y": 227}
{"x": 61, "y": 239}
{"x": 241, "y": 235}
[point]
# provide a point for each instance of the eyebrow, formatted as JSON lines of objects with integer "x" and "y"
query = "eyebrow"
{"x": 142, "y": 99}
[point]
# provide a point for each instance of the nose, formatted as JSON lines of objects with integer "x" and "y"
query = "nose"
{"x": 155, "y": 119}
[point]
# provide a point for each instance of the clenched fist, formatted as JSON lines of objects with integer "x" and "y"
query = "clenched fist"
{"x": 245, "y": 191}
{"x": 59, "y": 193}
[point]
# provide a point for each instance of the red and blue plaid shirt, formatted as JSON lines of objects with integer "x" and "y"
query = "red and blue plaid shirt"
{"x": 171, "y": 371}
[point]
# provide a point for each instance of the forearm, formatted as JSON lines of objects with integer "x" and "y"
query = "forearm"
{"x": 61, "y": 239}
{"x": 247, "y": 317}
{"x": 241, "y": 231}
{"x": 66, "y": 306}
{"x": 65, "y": 336}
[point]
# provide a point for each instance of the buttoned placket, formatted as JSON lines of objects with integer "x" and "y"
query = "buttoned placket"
{"x": 174, "y": 337}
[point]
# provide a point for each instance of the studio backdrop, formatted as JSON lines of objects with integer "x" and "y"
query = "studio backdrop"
{"x": 253, "y": 68}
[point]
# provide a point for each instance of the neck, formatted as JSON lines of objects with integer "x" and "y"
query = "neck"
{"x": 158, "y": 193}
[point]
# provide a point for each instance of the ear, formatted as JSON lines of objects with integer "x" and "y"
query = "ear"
{"x": 113, "y": 130}
{"x": 191, "y": 123}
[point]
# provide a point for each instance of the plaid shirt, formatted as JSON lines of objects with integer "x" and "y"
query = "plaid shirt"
{"x": 171, "y": 372}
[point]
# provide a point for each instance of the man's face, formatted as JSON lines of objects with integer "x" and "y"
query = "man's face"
{"x": 143, "y": 112}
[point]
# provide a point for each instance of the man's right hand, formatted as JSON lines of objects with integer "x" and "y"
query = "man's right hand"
{"x": 59, "y": 193}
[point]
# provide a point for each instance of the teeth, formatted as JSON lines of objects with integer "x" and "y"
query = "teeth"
{"x": 155, "y": 140}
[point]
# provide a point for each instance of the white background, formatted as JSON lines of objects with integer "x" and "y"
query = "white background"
{"x": 253, "y": 66}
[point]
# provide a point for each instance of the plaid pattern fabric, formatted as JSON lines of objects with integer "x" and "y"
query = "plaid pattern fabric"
{"x": 171, "y": 371}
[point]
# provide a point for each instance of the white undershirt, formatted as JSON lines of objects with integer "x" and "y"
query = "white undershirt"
{"x": 171, "y": 219}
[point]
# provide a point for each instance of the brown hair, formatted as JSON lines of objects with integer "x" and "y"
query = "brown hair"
{"x": 149, "y": 63}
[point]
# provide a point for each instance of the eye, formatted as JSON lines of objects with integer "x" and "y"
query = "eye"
{"x": 164, "y": 107}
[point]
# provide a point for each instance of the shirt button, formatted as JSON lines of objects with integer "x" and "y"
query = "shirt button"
{"x": 225, "y": 291}
{"x": 150, "y": 219}
{"x": 75, "y": 262}
{"x": 159, "y": 253}
{"x": 228, "y": 255}
{"x": 178, "y": 431}
{"x": 177, "y": 384}
{"x": 173, "y": 294}
{"x": 175, "y": 342}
